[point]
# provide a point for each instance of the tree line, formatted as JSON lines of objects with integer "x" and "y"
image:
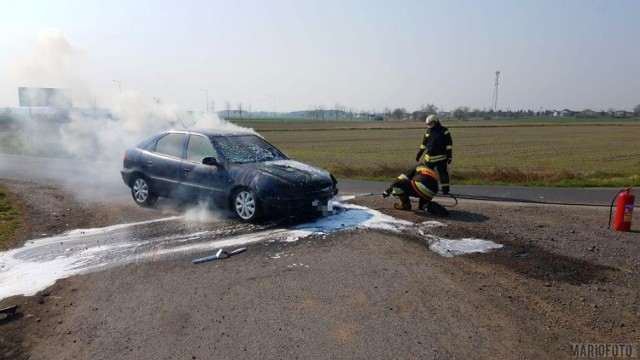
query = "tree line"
{"x": 342, "y": 112}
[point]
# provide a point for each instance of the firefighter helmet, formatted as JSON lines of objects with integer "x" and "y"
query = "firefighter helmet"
{"x": 432, "y": 118}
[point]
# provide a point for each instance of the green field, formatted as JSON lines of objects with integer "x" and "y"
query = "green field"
{"x": 547, "y": 152}
{"x": 528, "y": 151}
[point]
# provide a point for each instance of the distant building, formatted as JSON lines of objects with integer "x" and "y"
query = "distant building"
{"x": 567, "y": 112}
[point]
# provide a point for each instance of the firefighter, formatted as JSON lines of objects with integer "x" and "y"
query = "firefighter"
{"x": 439, "y": 149}
{"x": 420, "y": 182}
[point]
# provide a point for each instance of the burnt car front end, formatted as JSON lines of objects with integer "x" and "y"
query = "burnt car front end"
{"x": 287, "y": 189}
{"x": 311, "y": 199}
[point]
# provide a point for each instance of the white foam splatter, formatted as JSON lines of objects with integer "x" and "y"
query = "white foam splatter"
{"x": 19, "y": 277}
{"x": 40, "y": 263}
{"x": 451, "y": 248}
{"x": 78, "y": 233}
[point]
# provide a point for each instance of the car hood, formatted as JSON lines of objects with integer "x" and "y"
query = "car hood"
{"x": 293, "y": 172}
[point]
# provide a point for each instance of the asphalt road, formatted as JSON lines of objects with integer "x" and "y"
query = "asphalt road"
{"x": 537, "y": 194}
{"x": 103, "y": 179}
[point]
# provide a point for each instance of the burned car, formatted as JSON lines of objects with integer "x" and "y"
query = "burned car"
{"x": 235, "y": 170}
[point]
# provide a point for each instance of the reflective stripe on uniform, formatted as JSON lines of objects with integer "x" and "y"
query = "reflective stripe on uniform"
{"x": 397, "y": 191}
{"x": 435, "y": 158}
{"x": 449, "y": 147}
{"x": 422, "y": 190}
{"x": 403, "y": 177}
{"x": 426, "y": 171}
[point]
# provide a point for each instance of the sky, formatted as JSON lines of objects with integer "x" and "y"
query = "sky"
{"x": 293, "y": 55}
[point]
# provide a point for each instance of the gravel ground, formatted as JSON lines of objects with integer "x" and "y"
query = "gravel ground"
{"x": 562, "y": 277}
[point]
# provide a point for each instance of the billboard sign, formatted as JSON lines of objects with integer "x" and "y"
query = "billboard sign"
{"x": 44, "y": 97}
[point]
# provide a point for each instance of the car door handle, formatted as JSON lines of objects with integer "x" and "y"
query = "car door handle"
{"x": 187, "y": 170}
{"x": 149, "y": 162}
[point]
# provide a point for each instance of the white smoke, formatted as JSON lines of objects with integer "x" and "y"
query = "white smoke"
{"x": 134, "y": 119}
{"x": 53, "y": 61}
{"x": 202, "y": 213}
{"x": 47, "y": 60}
{"x": 97, "y": 135}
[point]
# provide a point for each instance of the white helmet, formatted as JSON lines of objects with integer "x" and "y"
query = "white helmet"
{"x": 432, "y": 118}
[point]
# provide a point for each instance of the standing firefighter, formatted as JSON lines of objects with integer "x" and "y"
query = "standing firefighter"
{"x": 420, "y": 182}
{"x": 437, "y": 141}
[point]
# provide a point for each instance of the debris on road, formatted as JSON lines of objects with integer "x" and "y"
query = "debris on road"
{"x": 9, "y": 311}
{"x": 221, "y": 254}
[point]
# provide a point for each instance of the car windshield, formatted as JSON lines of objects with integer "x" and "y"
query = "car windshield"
{"x": 247, "y": 149}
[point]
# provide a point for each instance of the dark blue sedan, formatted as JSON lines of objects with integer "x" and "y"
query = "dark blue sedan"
{"x": 236, "y": 170}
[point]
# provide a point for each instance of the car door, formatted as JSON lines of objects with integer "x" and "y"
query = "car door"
{"x": 199, "y": 180}
{"x": 162, "y": 164}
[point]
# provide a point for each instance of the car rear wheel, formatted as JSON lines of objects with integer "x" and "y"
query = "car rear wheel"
{"x": 141, "y": 192}
{"x": 245, "y": 205}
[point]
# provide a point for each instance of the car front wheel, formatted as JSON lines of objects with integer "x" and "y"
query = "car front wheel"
{"x": 245, "y": 205}
{"x": 141, "y": 192}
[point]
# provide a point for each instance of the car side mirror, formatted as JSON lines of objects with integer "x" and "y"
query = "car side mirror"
{"x": 210, "y": 160}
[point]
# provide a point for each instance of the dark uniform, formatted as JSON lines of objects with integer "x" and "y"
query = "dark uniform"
{"x": 420, "y": 182}
{"x": 439, "y": 150}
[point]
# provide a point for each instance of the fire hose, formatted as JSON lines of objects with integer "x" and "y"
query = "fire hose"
{"x": 352, "y": 197}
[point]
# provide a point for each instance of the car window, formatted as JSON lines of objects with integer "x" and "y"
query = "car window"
{"x": 148, "y": 143}
{"x": 247, "y": 149}
{"x": 200, "y": 147}
{"x": 171, "y": 145}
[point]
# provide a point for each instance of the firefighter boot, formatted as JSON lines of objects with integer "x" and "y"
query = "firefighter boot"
{"x": 404, "y": 205}
{"x": 421, "y": 204}
{"x": 435, "y": 208}
{"x": 445, "y": 190}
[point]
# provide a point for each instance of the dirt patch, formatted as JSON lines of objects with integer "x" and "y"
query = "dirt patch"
{"x": 561, "y": 277}
{"x": 47, "y": 209}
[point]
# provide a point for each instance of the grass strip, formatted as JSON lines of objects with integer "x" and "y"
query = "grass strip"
{"x": 8, "y": 218}
{"x": 497, "y": 176}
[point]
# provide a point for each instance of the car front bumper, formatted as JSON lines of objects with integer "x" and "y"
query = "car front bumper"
{"x": 316, "y": 204}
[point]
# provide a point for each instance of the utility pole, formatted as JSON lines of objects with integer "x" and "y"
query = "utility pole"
{"x": 495, "y": 93}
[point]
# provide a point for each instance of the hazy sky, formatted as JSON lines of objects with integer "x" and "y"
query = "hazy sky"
{"x": 367, "y": 55}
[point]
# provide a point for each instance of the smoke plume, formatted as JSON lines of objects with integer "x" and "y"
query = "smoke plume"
{"x": 95, "y": 137}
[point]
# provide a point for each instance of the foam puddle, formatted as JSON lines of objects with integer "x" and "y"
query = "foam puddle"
{"x": 41, "y": 262}
{"x": 451, "y": 248}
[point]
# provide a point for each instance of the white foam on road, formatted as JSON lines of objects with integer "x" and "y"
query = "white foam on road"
{"x": 80, "y": 233}
{"x": 451, "y": 248}
{"x": 38, "y": 264}
{"x": 27, "y": 277}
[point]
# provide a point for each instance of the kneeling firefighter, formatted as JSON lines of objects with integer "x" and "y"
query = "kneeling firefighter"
{"x": 420, "y": 182}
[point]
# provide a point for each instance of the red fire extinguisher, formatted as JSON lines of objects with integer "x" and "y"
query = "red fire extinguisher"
{"x": 624, "y": 210}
